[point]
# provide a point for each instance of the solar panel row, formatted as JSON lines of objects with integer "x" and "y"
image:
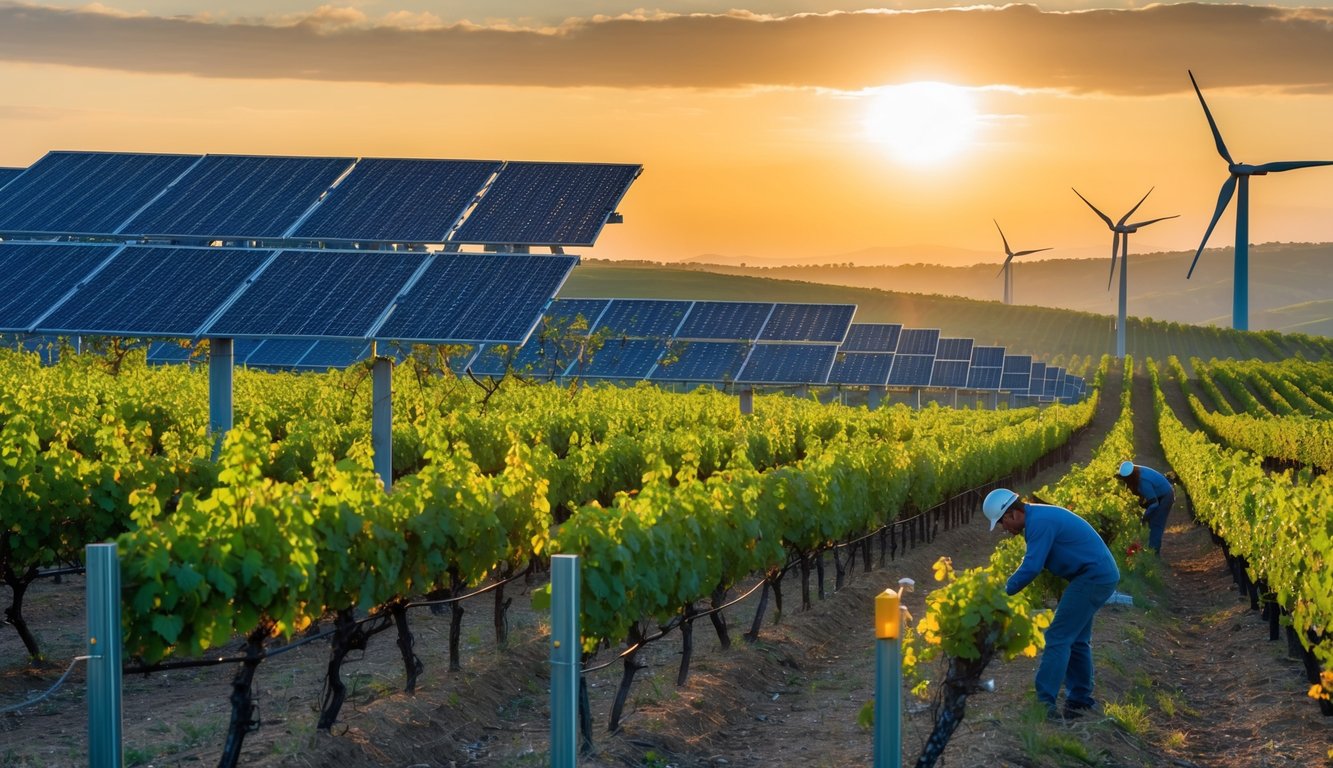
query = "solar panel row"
{"x": 317, "y": 199}
{"x": 145, "y": 291}
{"x": 272, "y": 354}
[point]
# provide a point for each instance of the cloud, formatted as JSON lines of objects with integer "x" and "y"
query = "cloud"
{"x": 1127, "y": 51}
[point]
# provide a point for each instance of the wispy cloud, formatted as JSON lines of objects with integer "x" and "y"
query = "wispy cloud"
{"x": 1140, "y": 51}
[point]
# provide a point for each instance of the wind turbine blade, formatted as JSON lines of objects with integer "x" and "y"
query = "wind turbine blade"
{"x": 1291, "y": 165}
{"x": 1115, "y": 248}
{"x": 1035, "y": 250}
{"x": 1125, "y": 218}
{"x": 1217, "y": 135}
{"x": 1103, "y": 216}
{"x": 1003, "y": 240}
{"x": 1152, "y": 221}
{"x": 1006, "y": 265}
{"x": 1223, "y": 198}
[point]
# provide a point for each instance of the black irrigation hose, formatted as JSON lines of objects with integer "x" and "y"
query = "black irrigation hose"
{"x": 170, "y": 665}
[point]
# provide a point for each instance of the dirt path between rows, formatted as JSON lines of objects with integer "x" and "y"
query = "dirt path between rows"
{"x": 1191, "y": 659}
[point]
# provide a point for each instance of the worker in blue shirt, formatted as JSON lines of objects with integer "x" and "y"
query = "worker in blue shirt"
{"x": 1155, "y": 496}
{"x": 1065, "y": 544}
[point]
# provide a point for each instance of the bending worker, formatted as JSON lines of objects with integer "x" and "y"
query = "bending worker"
{"x": 1065, "y": 544}
{"x": 1155, "y": 496}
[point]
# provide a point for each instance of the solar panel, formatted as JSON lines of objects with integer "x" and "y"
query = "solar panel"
{"x": 169, "y": 353}
{"x": 1017, "y": 373}
{"x": 954, "y": 349}
{"x": 725, "y": 320}
{"x": 239, "y": 196}
{"x": 988, "y": 357}
{"x": 47, "y": 348}
{"x": 326, "y": 294}
{"x": 911, "y": 370}
{"x": 86, "y": 192}
{"x": 642, "y": 318}
{"x": 154, "y": 291}
{"x": 547, "y": 204}
{"x": 788, "y": 364}
{"x": 701, "y": 361}
{"x": 468, "y": 297}
{"x": 329, "y": 353}
{"x": 539, "y": 359}
{"x": 1055, "y": 379}
{"x": 491, "y": 359}
{"x": 9, "y": 174}
{"x": 398, "y": 201}
{"x": 808, "y": 322}
{"x": 984, "y": 377}
{"x": 872, "y": 337}
{"x": 34, "y": 276}
{"x": 870, "y": 368}
{"x": 1037, "y": 386}
{"x": 278, "y": 353}
{"x": 564, "y": 313}
{"x": 623, "y": 359}
{"x": 949, "y": 373}
{"x": 459, "y": 362}
{"x": 918, "y": 341}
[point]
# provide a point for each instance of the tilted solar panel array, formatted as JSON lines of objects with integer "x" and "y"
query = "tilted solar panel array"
{"x": 199, "y": 199}
{"x": 187, "y": 292}
{"x": 717, "y": 361}
{"x": 725, "y": 320}
{"x": 788, "y": 364}
{"x": 862, "y": 368}
{"x": 9, "y": 174}
{"x": 1016, "y": 376}
{"x": 872, "y": 337}
{"x": 987, "y": 368}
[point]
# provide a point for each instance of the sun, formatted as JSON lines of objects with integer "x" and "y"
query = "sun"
{"x": 922, "y": 123}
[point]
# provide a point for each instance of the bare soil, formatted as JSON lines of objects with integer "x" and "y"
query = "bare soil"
{"x": 1190, "y": 665}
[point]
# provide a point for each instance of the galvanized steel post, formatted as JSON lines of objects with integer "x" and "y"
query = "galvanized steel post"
{"x": 104, "y": 656}
{"x": 888, "y": 681}
{"x": 220, "y": 363}
{"x": 566, "y": 660}
{"x": 381, "y": 419}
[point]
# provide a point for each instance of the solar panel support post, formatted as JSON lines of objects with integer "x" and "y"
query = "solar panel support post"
{"x": 104, "y": 656}
{"x": 381, "y": 428}
{"x": 220, "y": 363}
{"x": 746, "y": 400}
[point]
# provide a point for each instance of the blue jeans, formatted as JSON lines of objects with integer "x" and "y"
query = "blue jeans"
{"x": 1155, "y": 516}
{"x": 1068, "y": 655}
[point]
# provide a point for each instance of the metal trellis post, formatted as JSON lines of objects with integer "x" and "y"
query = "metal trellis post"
{"x": 566, "y": 660}
{"x": 104, "y": 656}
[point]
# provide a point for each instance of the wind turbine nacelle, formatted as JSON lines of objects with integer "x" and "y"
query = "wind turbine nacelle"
{"x": 1245, "y": 169}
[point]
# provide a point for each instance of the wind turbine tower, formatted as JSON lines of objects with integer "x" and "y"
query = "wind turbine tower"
{"x": 1120, "y": 242}
{"x": 1005, "y": 270}
{"x": 1239, "y": 180}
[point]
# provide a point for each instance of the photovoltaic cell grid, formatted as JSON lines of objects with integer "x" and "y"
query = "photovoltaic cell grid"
{"x": 1055, "y": 379}
{"x": 911, "y": 370}
{"x": 725, "y": 320}
{"x": 707, "y": 361}
{"x": 278, "y": 353}
{"x": 563, "y": 313}
{"x": 625, "y": 359}
{"x": 465, "y": 297}
{"x": 398, "y": 200}
{"x": 872, "y": 337}
{"x": 954, "y": 349}
{"x": 918, "y": 341}
{"x": 984, "y": 377}
{"x": 1037, "y": 386}
{"x": 788, "y": 364}
{"x": 149, "y": 291}
{"x": 329, "y": 353}
{"x": 86, "y": 192}
{"x": 988, "y": 357}
{"x": 547, "y": 204}
{"x": 34, "y": 276}
{"x": 642, "y": 318}
{"x": 536, "y": 359}
{"x": 868, "y": 368}
{"x": 9, "y": 174}
{"x": 326, "y": 294}
{"x": 949, "y": 373}
{"x": 168, "y": 352}
{"x": 239, "y": 196}
{"x": 809, "y": 322}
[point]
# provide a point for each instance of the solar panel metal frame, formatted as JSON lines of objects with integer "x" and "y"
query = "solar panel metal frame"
{"x": 872, "y": 337}
{"x": 765, "y": 364}
{"x": 918, "y": 341}
{"x": 808, "y": 323}
{"x": 861, "y": 368}
{"x": 911, "y": 370}
{"x": 501, "y": 192}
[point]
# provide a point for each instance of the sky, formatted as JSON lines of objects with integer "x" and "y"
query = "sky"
{"x": 796, "y": 131}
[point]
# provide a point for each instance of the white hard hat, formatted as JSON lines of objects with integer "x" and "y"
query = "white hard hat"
{"x": 1126, "y": 467}
{"x": 996, "y": 504}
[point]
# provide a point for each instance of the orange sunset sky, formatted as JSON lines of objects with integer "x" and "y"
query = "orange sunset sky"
{"x": 791, "y": 131}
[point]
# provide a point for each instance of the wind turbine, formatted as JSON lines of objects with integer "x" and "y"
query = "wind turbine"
{"x": 1005, "y": 270}
{"x": 1120, "y": 242}
{"x": 1240, "y": 177}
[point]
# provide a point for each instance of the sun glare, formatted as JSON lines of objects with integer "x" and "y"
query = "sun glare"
{"x": 921, "y": 123}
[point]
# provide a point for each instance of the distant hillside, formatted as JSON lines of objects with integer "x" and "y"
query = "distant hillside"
{"x": 1289, "y": 287}
{"x": 1041, "y": 331}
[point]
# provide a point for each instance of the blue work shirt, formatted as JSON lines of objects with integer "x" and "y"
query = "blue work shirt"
{"x": 1152, "y": 484}
{"x": 1064, "y": 544}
